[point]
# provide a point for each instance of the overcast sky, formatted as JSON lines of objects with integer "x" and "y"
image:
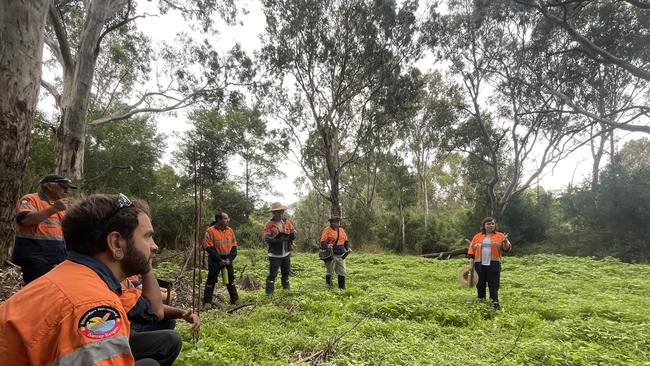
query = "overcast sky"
{"x": 164, "y": 28}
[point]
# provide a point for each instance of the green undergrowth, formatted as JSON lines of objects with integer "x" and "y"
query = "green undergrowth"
{"x": 400, "y": 310}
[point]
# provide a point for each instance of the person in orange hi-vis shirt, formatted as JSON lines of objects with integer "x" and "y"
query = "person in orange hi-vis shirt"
{"x": 73, "y": 315}
{"x": 39, "y": 244}
{"x": 221, "y": 245}
{"x": 335, "y": 239}
{"x": 485, "y": 251}
{"x": 279, "y": 234}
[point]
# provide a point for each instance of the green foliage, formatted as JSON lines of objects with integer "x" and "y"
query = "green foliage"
{"x": 40, "y": 160}
{"x": 122, "y": 156}
{"x": 411, "y": 311}
{"x": 612, "y": 217}
{"x": 528, "y": 216}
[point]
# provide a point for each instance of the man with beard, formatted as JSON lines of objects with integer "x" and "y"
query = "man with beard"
{"x": 73, "y": 315}
{"x": 39, "y": 244}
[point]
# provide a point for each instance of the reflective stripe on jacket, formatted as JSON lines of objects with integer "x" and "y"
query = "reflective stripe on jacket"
{"x": 221, "y": 240}
{"x": 70, "y": 316}
{"x": 44, "y": 240}
{"x": 497, "y": 239}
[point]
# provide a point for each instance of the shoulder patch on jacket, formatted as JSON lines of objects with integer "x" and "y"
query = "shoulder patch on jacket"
{"x": 100, "y": 322}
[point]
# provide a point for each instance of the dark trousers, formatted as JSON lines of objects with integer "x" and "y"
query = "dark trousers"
{"x": 32, "y": 270}
{"x": 488, "y": 276}
{"x": 284, "y": 264}
{"x": 163, "y": 346}
{"x": 213, "y": 274}
{"x": 159, "y": 325}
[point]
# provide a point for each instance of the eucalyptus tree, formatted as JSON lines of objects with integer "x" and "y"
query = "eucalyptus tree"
{"x": 514, "y": 128}
{"x": 22, "y": 25}
{"x": 81, "y": 33}
{"x": 588, "y": 24}
{"x": 436, "y": 112}
{"x": 336, "y": 64}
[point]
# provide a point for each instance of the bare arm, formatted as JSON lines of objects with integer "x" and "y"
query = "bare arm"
{"x": 35, "y": 218}
{"x": 151, "y": 292}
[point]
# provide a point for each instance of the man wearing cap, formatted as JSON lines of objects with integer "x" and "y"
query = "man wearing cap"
{"x": 335, "y": 239}
{"x": 279, "y": 233}
{"x": 39, "y": 244}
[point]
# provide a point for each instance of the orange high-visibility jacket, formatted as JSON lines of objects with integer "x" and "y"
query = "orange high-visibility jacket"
{"x": 44, "y": 240}
{"x": 221, "y": 240}
{"x": 272, "y": 228}
{"x": 496, "y": 250}
{"x": 70, "y": 316}
{"x": 329, "y": 236}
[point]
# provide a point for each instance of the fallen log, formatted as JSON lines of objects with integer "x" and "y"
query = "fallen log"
{"x": 446, "y": 255}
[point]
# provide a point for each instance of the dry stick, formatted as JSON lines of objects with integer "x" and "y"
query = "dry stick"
{"x": 239, "y": 307}
{"x": 514, "y": 344}
{"x": 331, "y": 343}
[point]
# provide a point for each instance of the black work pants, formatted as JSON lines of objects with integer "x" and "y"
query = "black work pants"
{"x": 163, "y": 346}
{"x": 214, "y": 270}
{"x": 32, "y": 270}
{"x": 488, "y": 276}
{"x": 159, "y": 325}
{"x": 284, "y": 264}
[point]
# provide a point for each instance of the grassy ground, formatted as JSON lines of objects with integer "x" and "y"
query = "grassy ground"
{"x": 399, "y": 310}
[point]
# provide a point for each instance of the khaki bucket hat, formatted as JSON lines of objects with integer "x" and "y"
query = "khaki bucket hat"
{"x": 467, "y": 276}
{"x": 277, "y": 206}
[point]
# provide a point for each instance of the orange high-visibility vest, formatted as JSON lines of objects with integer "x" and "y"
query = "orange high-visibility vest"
{"x": 496, "y": 250}
{"x": 69, "y": 316}
{"x": 43, "y": 240}
{"x": 221, "y": 240}
{"x": 272, "y": 228}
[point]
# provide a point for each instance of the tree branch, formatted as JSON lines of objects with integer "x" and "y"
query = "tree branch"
{"x": 52, "y": 90}
{"x": 63, "y": 49}
{"x": 586, "y": 43}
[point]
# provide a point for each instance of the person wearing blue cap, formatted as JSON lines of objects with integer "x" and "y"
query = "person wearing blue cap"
{"x": 39, "y": 244}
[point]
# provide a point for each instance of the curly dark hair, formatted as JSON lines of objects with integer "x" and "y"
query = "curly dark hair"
{"x": 87, "y": 223}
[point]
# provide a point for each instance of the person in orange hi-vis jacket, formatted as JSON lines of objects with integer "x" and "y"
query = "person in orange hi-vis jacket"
{"x": 39, "y": 244}
{"x": 335, "y": 239}
{"x": 73, "y": 315}
{"x": 486, "y": 250}
{"x": 279, "y": 234}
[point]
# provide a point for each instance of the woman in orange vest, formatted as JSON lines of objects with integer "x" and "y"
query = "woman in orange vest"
{"x": 485, "y": 251}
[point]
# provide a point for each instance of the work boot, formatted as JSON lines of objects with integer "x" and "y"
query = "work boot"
{"x": 206, "y": 306}
{"x": 328, "y": 280}
{"x": 285, "y": 284}
{"x": 270, "y": 287}
{"x": 342, "y": 282}
{"x": 207, "y": 294}
{"x": 232, "y": 292}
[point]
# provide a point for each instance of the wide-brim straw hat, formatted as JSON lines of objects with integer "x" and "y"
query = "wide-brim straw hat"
{"x": 277, "y": 206}
{"x": 464, "y": 276}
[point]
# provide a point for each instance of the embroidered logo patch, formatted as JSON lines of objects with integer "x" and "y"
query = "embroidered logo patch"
{"x": 100, "y": 322}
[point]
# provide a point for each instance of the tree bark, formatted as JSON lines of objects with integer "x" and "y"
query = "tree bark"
{"x": 78, "y": 79}
{"x": 22, "y": 27}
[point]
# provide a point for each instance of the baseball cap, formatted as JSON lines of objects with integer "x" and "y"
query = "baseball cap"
{"x": 63, "y": 181}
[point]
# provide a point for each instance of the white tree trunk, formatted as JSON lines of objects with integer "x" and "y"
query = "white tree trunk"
{"x": 78, "y": 79}
{"x": 21, "y": 53}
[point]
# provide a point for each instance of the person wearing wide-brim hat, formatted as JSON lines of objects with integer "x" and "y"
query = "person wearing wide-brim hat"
{"x": 335, "y": 240}
{"x": 279, "y": 234}
{"x": 485, "y": 251}
{"x": 39, "y": 244}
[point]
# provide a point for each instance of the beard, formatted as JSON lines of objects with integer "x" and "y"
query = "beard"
{"x": 135, "y": 262}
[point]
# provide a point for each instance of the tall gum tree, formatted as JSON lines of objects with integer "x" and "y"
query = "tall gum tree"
{"x": 78, "y": 32}
{"x": 340, "y": 56}
{"x": 22, "y": 25}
